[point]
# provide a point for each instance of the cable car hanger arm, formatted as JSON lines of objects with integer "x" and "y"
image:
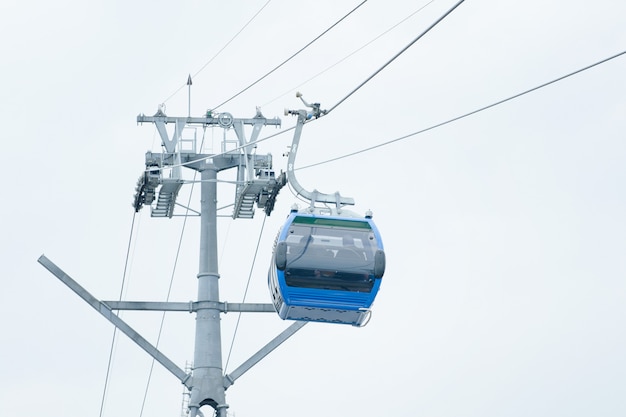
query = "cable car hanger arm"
{"x": 313, "y": 196}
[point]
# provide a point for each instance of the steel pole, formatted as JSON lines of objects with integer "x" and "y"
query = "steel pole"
{"x": 207, "y": 378}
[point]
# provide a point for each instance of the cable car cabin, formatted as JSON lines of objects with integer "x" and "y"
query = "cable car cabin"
{"x": 326, "y": 268}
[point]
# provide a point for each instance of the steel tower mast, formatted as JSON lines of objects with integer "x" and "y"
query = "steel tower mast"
{"x": 256, "y": 184}
{"x": 207, "y": 382}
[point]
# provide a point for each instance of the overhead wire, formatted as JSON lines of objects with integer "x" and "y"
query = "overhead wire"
{"x": 291, "y": 57}
{"x": 471, "y": 113}
{"x": 454, "y": 119}
{"x": 502, "y": 101}
{"x": 169, "y": 290}
{"x": 351, "y": 53}
{"x": 245, "y": 293}
{"x": 219, "y": 52}
{"x": 383, "y": 67}
{"x": 113, "y": 339}
{"x": 428, "y": 128}
{"x": 349, "y": 94}
{"x": 435, "y": 23}
{"x": 352, "y": 92}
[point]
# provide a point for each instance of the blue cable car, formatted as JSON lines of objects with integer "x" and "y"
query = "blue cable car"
{"x": 326, "y": 268}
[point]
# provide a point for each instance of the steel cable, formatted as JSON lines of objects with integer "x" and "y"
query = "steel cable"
{"x": 396, "y": 55}
{"x": 454, "y": 119}
{"x": 113, "y": 339}
{"x": 292, "y": 56}
{"x": 220, "y": 51}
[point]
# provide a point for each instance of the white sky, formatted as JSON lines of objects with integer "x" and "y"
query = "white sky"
{"x": 504, "y": 232}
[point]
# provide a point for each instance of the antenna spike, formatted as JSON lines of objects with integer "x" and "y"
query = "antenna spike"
{"x": 189, "y": 91}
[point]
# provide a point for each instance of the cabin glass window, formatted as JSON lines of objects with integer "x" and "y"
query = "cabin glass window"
{"x": 330, "y": 257}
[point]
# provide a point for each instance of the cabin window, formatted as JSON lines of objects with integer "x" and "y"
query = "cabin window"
{"x": 330, "y": 257}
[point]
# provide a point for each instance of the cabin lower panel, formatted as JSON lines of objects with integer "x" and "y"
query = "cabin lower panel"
{"x": 326, "y": 315}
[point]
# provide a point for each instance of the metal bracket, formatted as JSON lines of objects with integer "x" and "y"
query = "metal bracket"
{"x": 314, "y": 196}
{"x": 103, "y": 309}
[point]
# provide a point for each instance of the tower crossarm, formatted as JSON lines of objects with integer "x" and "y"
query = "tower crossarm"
{"x": 224, "y": 120}
{"x": 191, "y": 306}
{"x": 255, "y": 179}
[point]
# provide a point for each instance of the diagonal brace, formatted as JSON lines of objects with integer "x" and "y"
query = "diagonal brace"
{"x": 265, "y": 350}
{"x": 103, "y": 309}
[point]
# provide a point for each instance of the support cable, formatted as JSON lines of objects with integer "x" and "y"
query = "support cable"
{"x": 219, "y": 52}
{"x": 245, "y": 293}
{"x": 169, "y": 290}
{"x": 397, "y": 55}
{"x": 423, "y": 130}
{"x": 471, "y": 113}
{"x": 167, "y": 298}
{"x": 113, "y": 339}
{"x": 351, "y": 53}
{"x": 352, "y": 92}
{"x": 292, "y": 56}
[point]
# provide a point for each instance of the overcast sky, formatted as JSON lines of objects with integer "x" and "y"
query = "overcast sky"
{"x": 505, "y": 287}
